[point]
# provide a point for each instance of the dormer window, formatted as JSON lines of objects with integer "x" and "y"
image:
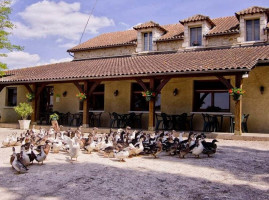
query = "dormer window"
{"x": 253, "y": 30}
{"x": 148, "y": 41}
{"x": 196, "y": 36}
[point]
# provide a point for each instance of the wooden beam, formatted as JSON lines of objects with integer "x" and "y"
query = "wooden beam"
{"x": 2, "y": 87}
{"x": 85, "y": 119}
{"x": 34, "y": 105}
{"x": 162, "y": 84}
{"x": 151, "y": 125}
{"x": 225, "y": 81}
{"x": 40, "y": 89}
{"x": 238, "y": 107}
{"x": 29, "y": 88}
{"x": 93, "y": 87}
{"x": 141, "y": 83}
{"x": 78, "y": 86}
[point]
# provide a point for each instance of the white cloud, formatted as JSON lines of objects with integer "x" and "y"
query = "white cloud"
{"x": 47, "y": 18}
{"x": 60, "y": 60}
{"x": 19, "y": 59}
{"x": 12, "y": 2}
{"x": 124, "y": 24}
{"x": 68, "y": 45}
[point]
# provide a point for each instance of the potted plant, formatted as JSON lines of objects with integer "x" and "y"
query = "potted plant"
{"x": 148, "y": 95}
{"x": 236, "y": 93}
{"x": 82, "y": 96}
{"x": 24, "y": 110}
{"x": 30, "y": 97}
{"x": 54, "y": 121}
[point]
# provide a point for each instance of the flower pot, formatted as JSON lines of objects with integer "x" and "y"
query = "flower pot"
{"x": 24, "y": 124}
{"x": 236, "y": 97}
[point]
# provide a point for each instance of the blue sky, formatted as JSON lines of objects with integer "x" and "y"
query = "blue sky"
{"x": 46, "y": 28}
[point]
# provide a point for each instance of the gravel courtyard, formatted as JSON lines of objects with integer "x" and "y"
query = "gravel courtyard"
{"x": 239, "y": 170}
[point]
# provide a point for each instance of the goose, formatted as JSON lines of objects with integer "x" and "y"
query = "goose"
{"x": 209, "y": 147}
{"x": 17, "y": 165}
{"x": 41, "y": 156}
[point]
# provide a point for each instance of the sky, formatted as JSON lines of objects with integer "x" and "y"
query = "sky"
{"x": 47, "y": 28}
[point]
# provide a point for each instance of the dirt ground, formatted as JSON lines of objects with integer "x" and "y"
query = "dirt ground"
{"x": 239, "y": 170}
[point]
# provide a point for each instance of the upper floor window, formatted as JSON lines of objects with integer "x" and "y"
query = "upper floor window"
{"x": 148, "y": 41}
{"x": 196, "y": 36}
{"x": 11, "y": 96}
{"x": 253, "y": 30}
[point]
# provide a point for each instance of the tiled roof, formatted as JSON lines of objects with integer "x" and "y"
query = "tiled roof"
{"x": 221, "y": 60}
{"x": 149, "y": 24}
{"x": 196, "y": 18}
{"x": 174, "y": 31}
{"x": 252, "y": 10}
{"x": 119, "y": 38}
{"x": 224, "y": 25}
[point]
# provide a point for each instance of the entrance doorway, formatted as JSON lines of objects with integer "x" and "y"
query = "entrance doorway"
{"x": 46, "y": 100}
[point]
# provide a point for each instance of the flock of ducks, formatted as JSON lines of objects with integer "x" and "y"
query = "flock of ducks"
{"x": 121, "y": 144}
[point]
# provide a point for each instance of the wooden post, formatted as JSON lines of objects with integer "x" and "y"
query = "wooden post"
{"x": 34, "y": 104}
{"x": 238, "y": 107}
{"x": 85, "y": 120}
{"x": 151, "y": 125}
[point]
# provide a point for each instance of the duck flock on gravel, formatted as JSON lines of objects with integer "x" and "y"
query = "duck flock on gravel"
{"x": 35, "y": 145}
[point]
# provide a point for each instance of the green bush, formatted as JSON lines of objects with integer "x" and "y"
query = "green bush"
{"x": 54, "y": 116}
{"x": 24, "y": 110}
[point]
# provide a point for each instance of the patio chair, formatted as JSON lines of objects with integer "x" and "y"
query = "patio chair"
{"x": 129, "y": 120}
{"x": 115, "y": 120}
{"x": 97, "y": 118}
{"x": 138, "y": 120}
{"x": 180, "y": 122}
{"x": 159, "y": 121}
{"x": 207, "y": 123}
{"x": 190, "y": 121}
{"x": 243, "y": 124}
{"x": 167, "y": 121}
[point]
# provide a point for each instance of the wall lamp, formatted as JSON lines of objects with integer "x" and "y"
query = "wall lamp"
{"x": 175, "y": 92}
{"x": 116, "y": 92}
{"x": 262, "y": 89}
{"x": 245, "y": 75}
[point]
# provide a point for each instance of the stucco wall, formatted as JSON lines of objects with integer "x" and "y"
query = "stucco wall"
{"x": 7, "y": 112}
{"x": 254, "y": 103}
{"x": 113, "y": 51}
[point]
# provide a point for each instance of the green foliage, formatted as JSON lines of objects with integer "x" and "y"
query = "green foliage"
{"x": 5, "y": 27}
{"x": 24, "y": 110}
{"x": 54, "y": 116}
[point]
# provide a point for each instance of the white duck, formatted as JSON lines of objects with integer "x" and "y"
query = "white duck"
{"x": 56, "y": 146}
{"x": 121, "y": 155}
{"x": 13, "y": 140}
{"x": 6, "y": 142}
{"x": 141, "y": 147}
{"x": 74, "y": 148}
{"x": 91, "y": 147}
{"x": 41, "y": 156}
{"x": 198, "y": 149}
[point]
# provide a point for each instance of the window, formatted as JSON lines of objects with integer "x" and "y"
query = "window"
{"x": 11, "y": 96}
{"x": 211, "y": 96}
{"x": 196, "y": 36}
{"x": 148, "y": 41}
{"x": 253, "y": 30}
{"x": 139, "y": 103}
{"x": 97, "y": 99}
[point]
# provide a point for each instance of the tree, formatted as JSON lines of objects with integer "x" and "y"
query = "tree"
{"x": 5, "y": 27}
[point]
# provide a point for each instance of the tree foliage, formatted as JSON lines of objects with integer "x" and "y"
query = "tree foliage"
{"x": 6, "y": 26}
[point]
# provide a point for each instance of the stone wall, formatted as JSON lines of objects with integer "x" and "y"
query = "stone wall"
{"x": 105, "y": 52}
{"x": 222, "y": 40}
{"x": 170, "y": 45}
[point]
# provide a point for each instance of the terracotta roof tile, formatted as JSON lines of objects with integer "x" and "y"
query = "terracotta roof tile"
{"x": 149, "y": 65}
{"x": 252, "y": 10}
{"x": 121, "y": 38}
{"x": 196, "y": 18}
{"x": 150, "y": 24}
{"x": 225, "y": 25}
{"x": 174, "y": 31}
